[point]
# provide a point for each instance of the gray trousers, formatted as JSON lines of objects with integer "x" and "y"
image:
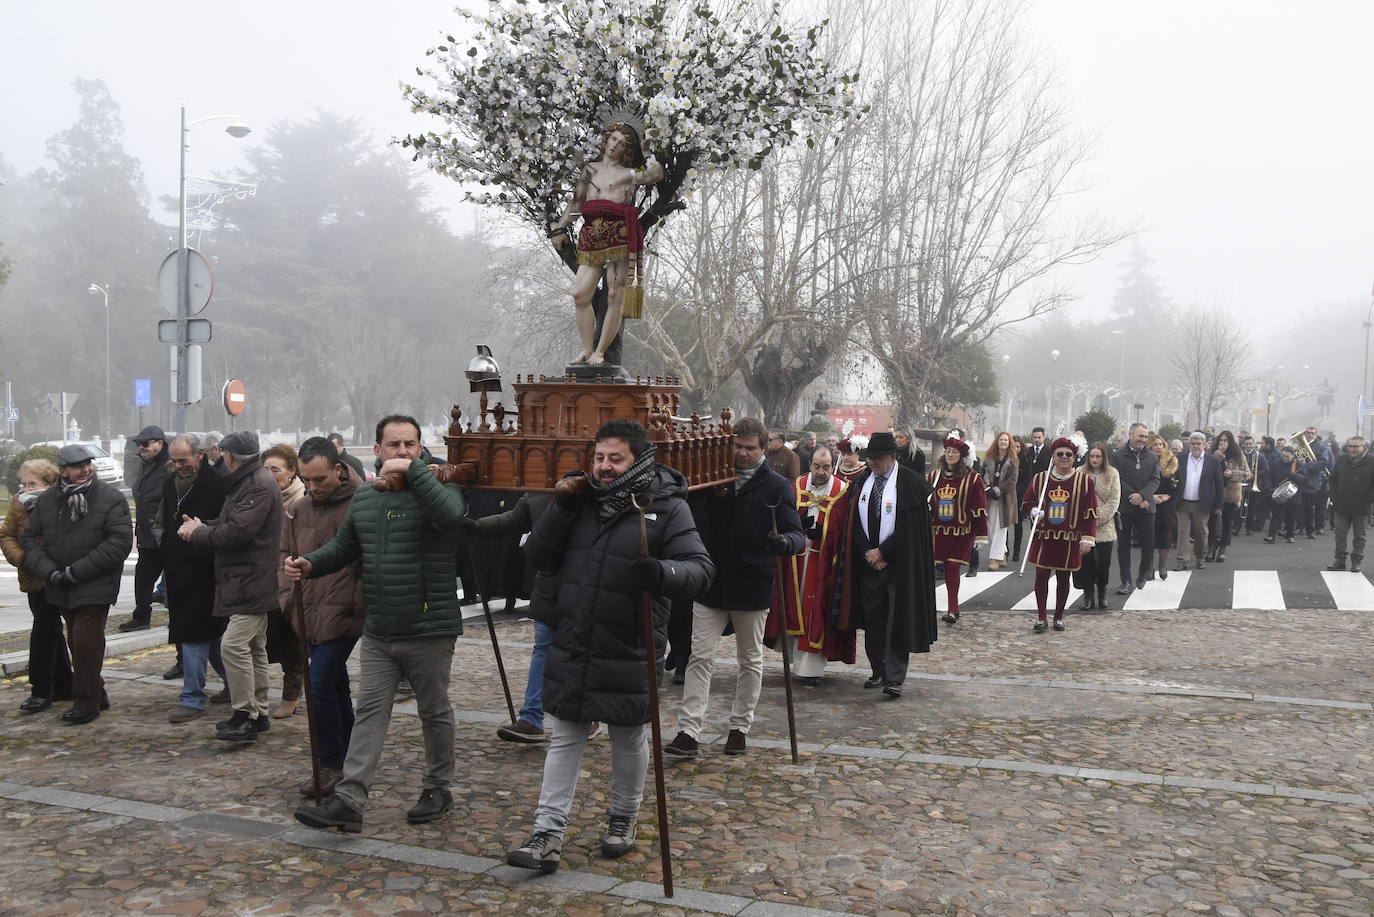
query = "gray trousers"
{"x": 879, "y": 594}
{"x": 426, "y": 664}
{"x": 629, "y": 763}
{"x": 1352, "y": 526}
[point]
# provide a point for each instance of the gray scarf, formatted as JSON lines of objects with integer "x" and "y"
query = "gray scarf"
{"x": 76, "y": 497}
{"x": 745, "y": 475}
{"x": 614, "y": 498}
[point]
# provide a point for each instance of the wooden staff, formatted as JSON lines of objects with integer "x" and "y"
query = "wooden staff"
{"x": 779, "y": 573}
{"x": 651, "y": 659}
{"x": 298, "y": 612}
{"x": 491, "y": 629}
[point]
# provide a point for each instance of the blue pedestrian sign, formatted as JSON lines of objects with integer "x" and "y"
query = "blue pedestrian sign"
{"x": 143, "y": 393}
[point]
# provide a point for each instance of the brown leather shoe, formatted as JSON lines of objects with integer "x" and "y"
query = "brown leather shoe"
{"x": 329, "y": 778}
{"x": 220, "y": 697}
{"x": 184, "y": 714}
{"x": 734, "y": 743}
{"x": 522, "y": 732}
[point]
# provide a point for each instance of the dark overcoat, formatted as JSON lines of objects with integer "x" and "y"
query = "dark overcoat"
{"x": 597, "y": 664}
{"x": 94, "y": 546}
{"x": 910, "y": 552}
{"x": 189, "y": 569}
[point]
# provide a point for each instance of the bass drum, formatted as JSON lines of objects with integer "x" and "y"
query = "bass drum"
{"x": 1284, "y": 492}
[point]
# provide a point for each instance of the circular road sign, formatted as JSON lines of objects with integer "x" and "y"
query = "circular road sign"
{"x": 235, "y": 397}
{"x": 201, "y": 285}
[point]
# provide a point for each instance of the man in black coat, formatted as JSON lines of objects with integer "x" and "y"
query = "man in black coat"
{"x": 887, "y": 567}
{"x": 736, "y": 524}
{"x": 598, "y": 664}
{"x": 1352, "y": 490}
{"x": 1139, "y": 470}
{"x": 151, "y": 443}
{"x": 194, "y": 489}
{"x": 1201, "y": 488}
{"x": 77, "y": 538}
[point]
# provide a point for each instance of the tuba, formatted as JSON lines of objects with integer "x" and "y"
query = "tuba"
{"x": 1302, "y": 448}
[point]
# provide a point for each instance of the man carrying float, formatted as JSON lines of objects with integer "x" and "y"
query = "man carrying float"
{"x": 1062, "y": 504}
{"x": 804, "y": 596}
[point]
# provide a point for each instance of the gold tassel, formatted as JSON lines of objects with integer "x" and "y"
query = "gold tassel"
{"x": 632, "y": 306}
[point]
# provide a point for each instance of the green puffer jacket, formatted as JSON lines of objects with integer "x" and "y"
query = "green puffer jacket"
{"x": 407, "y": 541}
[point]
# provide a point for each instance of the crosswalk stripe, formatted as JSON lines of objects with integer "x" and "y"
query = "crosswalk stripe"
{"x": 1160, "y": 595}
{"x": 1028, "y": 603}
{"x": 967, "y": 589}
{"x": 1351, "y": 591}
{"x": 1257, "y": 589}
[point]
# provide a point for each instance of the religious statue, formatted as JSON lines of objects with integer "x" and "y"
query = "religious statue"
{"x": 611, "y": 241}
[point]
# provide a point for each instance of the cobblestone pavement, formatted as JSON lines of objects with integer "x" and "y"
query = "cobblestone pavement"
{"x": 1146, "y": 763}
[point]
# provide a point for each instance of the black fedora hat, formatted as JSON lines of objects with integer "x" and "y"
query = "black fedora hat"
{"x": 882, "y": 443}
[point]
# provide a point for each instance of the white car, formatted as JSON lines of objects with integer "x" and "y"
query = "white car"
{"x": 106, "y": 468}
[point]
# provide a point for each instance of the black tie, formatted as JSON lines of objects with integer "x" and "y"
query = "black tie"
{"x": 875, "y": 508}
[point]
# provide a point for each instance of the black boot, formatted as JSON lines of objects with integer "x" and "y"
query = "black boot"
{"x": 1087, "y": 600}
{"x": 1101, "y": 598}
{"x": 1339, "y": 563}
{"x": 1355, "y": 562}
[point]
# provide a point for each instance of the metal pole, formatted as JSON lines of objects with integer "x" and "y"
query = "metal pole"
{"x": 1364, "y": 373}
{"x": 109, "y": 421}
{"x": 179, "y": 396}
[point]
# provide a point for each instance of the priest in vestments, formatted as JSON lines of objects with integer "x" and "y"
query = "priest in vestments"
{"x": 802, "y": 598}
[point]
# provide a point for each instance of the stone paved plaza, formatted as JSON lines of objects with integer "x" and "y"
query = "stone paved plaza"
{"x": 1150, "y": 762}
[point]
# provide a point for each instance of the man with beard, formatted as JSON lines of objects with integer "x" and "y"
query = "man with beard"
{"x": 333, "y": 605}
{"x": 802, "y": 602}
{"x": 194, "y": 489}
{"x": 737, "y": 526}
{"x": 887, "y": 583}
{"x": 598, "y": 663}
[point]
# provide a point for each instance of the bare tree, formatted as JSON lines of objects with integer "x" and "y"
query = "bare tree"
{"x": 976, "y": 154}
{"x": 1209, "y": 356}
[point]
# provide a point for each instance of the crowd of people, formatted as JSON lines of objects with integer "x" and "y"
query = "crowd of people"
{"x": 284, "y": 557}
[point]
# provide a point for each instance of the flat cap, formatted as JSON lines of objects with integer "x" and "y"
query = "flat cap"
{"x": 240, "y": 442}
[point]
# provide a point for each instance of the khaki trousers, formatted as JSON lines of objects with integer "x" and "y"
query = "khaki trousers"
{"x": 1192, "y": 520}
{"x": 244, "y": 651}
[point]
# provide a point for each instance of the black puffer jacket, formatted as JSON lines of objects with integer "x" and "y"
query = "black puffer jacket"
{"x": 244, "y": 538}
{"x": 596, "y": 665}
{"x": 735, "y": 522}
{"x": 94, "y": 546}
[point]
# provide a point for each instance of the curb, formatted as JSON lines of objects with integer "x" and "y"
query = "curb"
{"x": 15, "y": 664}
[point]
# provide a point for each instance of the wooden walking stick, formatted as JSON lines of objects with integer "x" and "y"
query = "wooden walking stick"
{"x": 779, "y": 572}
{"x": 491, "y": 629}
{"x": 651, "y": 660}
{"x": 298, "y": 612}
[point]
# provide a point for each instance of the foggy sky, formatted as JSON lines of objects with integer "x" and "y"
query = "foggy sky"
{"x": 1236, "y": 135}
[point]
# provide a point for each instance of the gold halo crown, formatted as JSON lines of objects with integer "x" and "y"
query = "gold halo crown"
{"x": 626, "y": 117}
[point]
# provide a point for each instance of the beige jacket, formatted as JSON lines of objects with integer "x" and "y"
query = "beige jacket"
{"x": 1108, "y": 485}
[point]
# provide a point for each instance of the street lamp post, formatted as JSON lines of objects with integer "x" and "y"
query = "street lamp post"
{"x": 1054, "y": 364}
{"x": 105, "y": 292}
{"x": 1364, "y": 374}
{"x": 180, "y": 397}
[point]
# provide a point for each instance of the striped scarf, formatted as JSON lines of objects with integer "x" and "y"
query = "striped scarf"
{"x": 614, "y": 498}
{"x": 76, "y": 497}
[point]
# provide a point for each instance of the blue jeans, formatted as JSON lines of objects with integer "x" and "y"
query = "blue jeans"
{"x": 195, "y": 658}
{"x": 331, "y": 699}
{"x": 533, "y": 710}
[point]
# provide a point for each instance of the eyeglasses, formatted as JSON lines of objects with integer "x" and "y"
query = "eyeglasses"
{"x": 30, "y": 485}
{"x": 1062, "y": 453}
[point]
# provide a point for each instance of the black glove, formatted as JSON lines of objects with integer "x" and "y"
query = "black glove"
{"x": 995, "y": 492}
{"x": 647, "y": 572}
{"x": 62, "y": 577}
{"x": 777, "y": 544}
{"x": 467, "y": 525}
{"x": 813, "y": 531}
{"x": 571, "y": 491}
